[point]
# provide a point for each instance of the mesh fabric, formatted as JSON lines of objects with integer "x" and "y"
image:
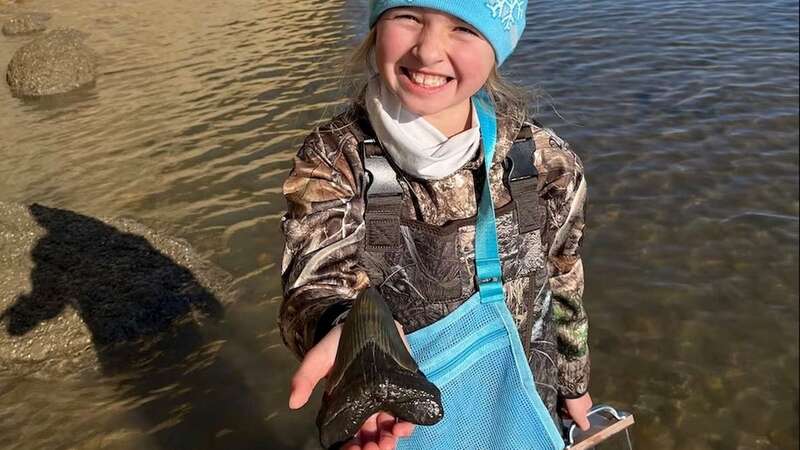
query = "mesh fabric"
{"x": 489, "y": 399}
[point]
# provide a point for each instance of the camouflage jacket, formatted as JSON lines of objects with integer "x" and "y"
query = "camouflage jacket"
{"x": 429, "y": 270}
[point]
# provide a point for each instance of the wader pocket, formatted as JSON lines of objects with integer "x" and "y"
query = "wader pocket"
{"x": 484, "y": 344}
{"x": 476, "y": 360}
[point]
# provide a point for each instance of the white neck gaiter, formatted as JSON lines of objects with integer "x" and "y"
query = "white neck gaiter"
{"x": 415, "y": 145}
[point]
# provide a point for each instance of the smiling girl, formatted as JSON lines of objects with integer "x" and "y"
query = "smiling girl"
{"x": 394, "y": 194}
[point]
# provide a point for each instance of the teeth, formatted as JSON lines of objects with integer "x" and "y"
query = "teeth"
{"x": 427, "y": 80}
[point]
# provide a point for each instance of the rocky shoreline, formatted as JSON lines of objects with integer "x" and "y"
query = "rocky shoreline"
{"x": 80, "y": 293}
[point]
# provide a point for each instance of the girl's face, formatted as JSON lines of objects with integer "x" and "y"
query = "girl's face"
{"x": 432, "y": 61}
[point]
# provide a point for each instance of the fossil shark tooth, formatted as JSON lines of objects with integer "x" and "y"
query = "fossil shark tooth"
{"x": 373, "y": 372}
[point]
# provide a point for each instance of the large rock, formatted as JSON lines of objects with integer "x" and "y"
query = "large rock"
{"x": 54, "y": 63}
{"x": 23, "y": 24}
{"x": 78, "y": 292}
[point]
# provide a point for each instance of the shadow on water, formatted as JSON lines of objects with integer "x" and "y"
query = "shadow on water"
{"x": 58, "y": 104}
{"x": 142, "y": 310}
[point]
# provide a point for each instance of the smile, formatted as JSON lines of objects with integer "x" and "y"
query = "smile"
{"x": 426, "y": 80}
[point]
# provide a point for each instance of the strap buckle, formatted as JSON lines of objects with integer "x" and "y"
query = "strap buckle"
{"x": 489, "y": 279}
{"x": 488, "y": 270}
{"x": 519, "y": 163}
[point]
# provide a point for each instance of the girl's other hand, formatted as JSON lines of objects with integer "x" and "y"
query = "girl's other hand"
{"x": 577, "y": 408}
{"x": 380, "y": 431}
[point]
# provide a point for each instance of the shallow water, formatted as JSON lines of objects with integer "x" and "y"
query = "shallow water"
{"x": 686, "y": 117}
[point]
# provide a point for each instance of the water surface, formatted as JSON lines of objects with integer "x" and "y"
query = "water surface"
{"x": 685, "y": 115}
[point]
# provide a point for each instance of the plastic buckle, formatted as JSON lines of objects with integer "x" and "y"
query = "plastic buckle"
{"x": 490, "y": 289}
{"x": 491, "y": 292}
{"x": 489, "y": 279}
{"x": 489, "y": 266}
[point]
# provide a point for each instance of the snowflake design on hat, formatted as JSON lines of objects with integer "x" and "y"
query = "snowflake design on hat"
{"x": 508, "y": 11}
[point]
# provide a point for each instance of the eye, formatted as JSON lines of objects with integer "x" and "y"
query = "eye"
{"x": 406, "y": 17}
{"x": 466, "y": 30}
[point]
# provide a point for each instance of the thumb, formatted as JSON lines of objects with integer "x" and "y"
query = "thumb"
{"x": 315, "y": 366}
{"x": 578, "y": 408}
{"x": 578, "y": 411}
{"x": 402, "y": 332}
{"x": 582, "y": 421}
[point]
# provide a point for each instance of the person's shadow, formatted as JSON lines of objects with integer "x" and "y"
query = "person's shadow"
{"x": 141, "y": 309}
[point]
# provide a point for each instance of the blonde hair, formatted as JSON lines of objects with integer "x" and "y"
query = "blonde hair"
{"x": 509, "y": 98}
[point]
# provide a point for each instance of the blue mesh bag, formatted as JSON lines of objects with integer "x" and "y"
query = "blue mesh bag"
{"x": 475, "y": 357}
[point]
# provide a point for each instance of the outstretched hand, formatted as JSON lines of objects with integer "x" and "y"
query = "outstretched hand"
{"x": 380, "y": 431}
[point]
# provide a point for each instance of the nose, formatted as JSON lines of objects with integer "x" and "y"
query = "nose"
{"x": 429, "y": 49}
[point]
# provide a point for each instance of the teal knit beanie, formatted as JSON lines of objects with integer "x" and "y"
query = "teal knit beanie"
{"x": 501, "y": 22}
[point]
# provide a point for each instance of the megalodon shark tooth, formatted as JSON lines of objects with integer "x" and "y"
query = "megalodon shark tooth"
{"x": 373, "y": 371}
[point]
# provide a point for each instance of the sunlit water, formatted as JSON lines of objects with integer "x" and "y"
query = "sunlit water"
{"x": 685, "y": 114}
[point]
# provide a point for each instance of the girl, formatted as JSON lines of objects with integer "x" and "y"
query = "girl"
{"x": 387, "y": 193}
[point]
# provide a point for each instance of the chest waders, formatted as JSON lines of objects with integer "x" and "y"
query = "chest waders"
{"x": 474, "y": 354}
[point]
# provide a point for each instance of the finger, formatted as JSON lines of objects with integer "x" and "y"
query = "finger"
{"x": 385, "y": 421}
{"x": 302, "y": 387}
{"x": 583, "y": 424}
{"x": 370, "y": 446}
{"x": 402, "y": 332}
{"x": 315, "y": 366}
{"x": 369, "y": 431}
{"x": 403, "y": 429}
{"x": 352, "y": 445}
{"x": 387, "y": 441}
{"x": 305, "y": 379}
{"x": 581, "y": 420}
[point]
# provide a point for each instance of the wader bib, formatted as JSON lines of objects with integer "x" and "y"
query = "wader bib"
{"x": 475, "y": 357}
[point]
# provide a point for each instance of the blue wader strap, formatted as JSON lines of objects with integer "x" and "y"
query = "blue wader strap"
{"x": 488, "y": 270}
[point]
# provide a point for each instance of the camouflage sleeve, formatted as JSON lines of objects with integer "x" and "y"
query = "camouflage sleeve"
{"x": 322, "y": 229}
{"x": 566, "y": 281}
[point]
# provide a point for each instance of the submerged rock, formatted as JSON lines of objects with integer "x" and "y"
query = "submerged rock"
{"x": 24, "y": 24}
{"x": 54, "y": 63}
{"x": 77, "y": 292}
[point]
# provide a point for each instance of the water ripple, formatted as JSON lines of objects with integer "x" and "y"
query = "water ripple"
{"x": 684, "y": 113}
